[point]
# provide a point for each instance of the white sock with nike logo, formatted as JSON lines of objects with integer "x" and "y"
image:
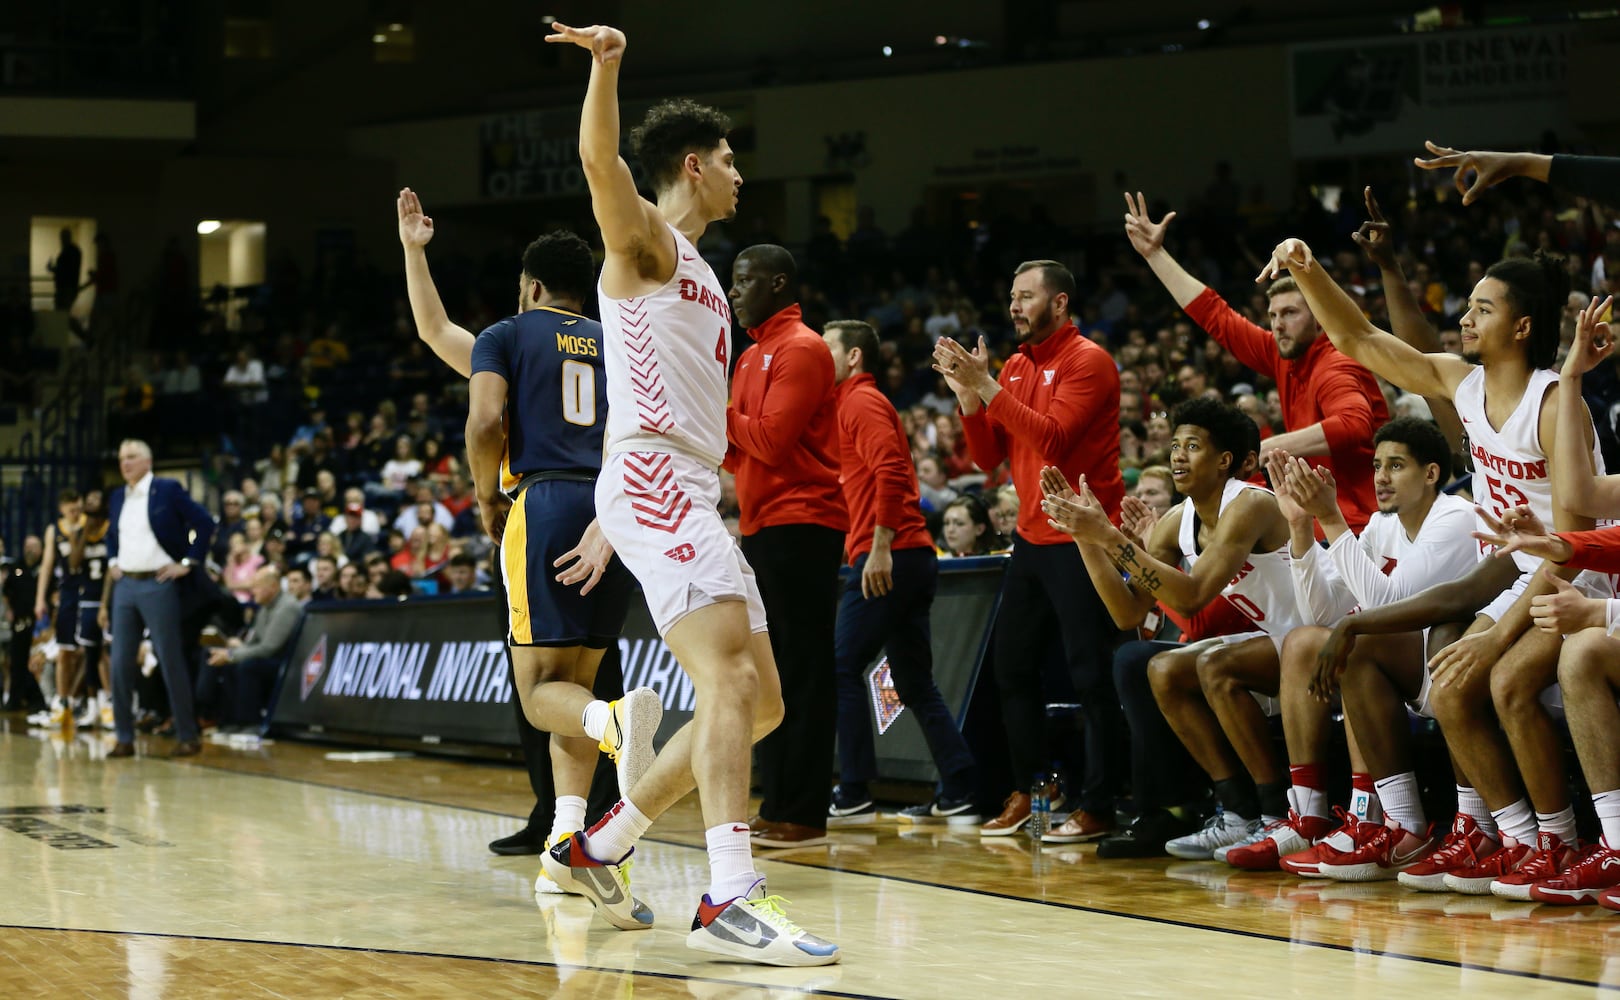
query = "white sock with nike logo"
{"x": 731, "y": 861}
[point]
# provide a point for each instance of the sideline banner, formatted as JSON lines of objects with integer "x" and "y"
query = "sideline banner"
{"x": 431, "y": 671}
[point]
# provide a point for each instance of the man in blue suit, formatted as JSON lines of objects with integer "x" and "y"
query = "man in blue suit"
{"x": 157, "y": 536}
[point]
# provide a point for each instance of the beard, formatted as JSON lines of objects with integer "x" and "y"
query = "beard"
{"x": 1037, "y": 324}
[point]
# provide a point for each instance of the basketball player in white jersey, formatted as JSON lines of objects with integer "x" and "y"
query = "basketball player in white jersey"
{"x": 1233, "y": 540}
{"x": 1419, "y": 538}
{"x": 1508, "y": 402}
{"x": 666, "y": 331}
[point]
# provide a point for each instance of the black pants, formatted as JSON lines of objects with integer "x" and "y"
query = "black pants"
{"x": 797, "y": 569}
{"x": 25, "y": 690}
{"x": 898, "y": 624}
{"x": 536, "y": 743}
{"x": 1047, "y": 591}
{"x": 245, "y": 690}
{"x": 1163, "y": 774}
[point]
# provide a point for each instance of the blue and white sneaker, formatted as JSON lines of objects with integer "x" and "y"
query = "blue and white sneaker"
{"x": 943, "y": 812}
{"x": 632, "y": 723}
{"x": 755, "y": 928}
{"x": 607, "y": 886}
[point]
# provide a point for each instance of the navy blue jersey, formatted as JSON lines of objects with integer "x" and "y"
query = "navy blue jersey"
{"x": 556, "y": 395}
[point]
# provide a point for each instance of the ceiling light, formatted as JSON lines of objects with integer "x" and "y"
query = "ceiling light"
{"x": 207, "y": 227}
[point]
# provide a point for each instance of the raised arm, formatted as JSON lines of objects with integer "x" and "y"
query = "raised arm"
{"x": 1147, "y": 237}
{"x": 1488, "y": 169}
{"x": 1580, "y": 489}
{"x": 638, "y": 245}
{"x": 1406, "y": 318}
{"x": 1380, "y": 352}
{"x": 453, "y": 344}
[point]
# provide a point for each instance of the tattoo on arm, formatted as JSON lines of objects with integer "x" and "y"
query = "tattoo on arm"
{"x": 1124, "y": 557}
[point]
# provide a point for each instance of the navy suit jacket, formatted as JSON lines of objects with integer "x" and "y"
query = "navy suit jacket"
{"x": 173, "y": 516}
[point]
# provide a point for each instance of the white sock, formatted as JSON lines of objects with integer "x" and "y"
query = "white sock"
{"x": 1607, "y": 805}
{"x": 569, "y": 818}
{"x": 1516, "y": 821}
{"x": 1469, "y": 803}
{"x": 612, "y": 839}
{"x": 731, "y": 861}
{"x": 1402, "y": 805}
{"x": 595, "y": 719}
{"x": 1560, "y": 824}
{"x": 103, "y": 700}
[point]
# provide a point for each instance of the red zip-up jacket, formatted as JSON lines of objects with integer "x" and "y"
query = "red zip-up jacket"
{"x": 880, "y": 484}
{"x": 1320, "y": 386}
{"x": 1058, "y": 405}
{"x": 1597, "y": 549}
{"x": 783, "y": 430}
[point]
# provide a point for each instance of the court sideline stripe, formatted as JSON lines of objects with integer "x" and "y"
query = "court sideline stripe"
{"x": 435, "y": 954}
{"x": 1166, "y": 921}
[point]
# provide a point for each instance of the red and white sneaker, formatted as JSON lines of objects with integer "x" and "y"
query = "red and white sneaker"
{"x": 1609, "y": 899}
{"x": 1598, "y": 869}
{"x": 1550, "y": 857}
{"x": 1382, "y": 857}
{"x": 1476, "y": 879}
{"x": 1294, "y": 834}
{"x": 1352, "y": 833}
{"x": 1465, "y": 845}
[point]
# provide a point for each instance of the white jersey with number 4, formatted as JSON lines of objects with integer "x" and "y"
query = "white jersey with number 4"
{"x": 667, "y": 355}
{"x": 1263, "y": 589}
{"x": 1510, "y": 464}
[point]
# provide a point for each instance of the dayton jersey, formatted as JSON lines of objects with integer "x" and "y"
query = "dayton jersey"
{"x": 1510, "y": 465}
{"x": 667, "y": 356}
{"x": 1263, "y": 589}
{"x": 556, "y": 396}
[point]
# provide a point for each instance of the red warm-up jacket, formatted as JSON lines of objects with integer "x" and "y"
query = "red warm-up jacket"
{"x": 880, "y": 484}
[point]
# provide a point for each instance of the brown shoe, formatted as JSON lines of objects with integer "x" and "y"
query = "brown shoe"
{"x": 769, "y": 834}
{"x": 186, "y": 748}
{"x": 1079, "y": 828}
{"x": 1014, "y": 814}
{"x": 121, "y": 750}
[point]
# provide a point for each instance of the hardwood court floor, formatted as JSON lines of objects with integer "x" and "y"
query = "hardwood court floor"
{"x": 279, "y": 873}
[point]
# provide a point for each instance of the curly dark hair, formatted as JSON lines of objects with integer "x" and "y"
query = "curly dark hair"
{"x": 672, "y": 129}
{"x": 1228, "y": 427}
{"x": 1537, "y": 287}
{"x": 1422, "y": 438}
{"x": 562, "y": 262}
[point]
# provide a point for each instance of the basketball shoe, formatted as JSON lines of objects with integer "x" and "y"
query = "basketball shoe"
{"x": 1389, "y": 850}
{"x": 1597, "y": 869}
{"x": 1550, "y": 857}
{"x": 1292, "y": 835}
{"x": 606, "y": 885}
{"x": 1476, "y": 879}
{"x": 1465, "y": 845}
{"x": 1221, "y": 830}
{"x": 1351, "y": 833}
{"x": 544, "y": 884}
{"x": 754, "y": 928}
{"x": 632, "y": 722}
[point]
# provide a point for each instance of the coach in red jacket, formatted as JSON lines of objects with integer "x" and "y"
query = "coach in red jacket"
{"x": 783, "y": 437}
{"x": 1056, "y": 403}
{"x": 1331, "y": 405}
{"x": 888, "y": 598}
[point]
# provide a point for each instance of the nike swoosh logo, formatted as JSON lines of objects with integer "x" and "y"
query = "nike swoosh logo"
{"x": 607, "y": 886}
{"x": 685, "y": 257}
{"x": 1610, "y": 862}
{"x": 739, "y": 828}
{"x": 1015, "y": 378}
{"x": 751, "y": 938}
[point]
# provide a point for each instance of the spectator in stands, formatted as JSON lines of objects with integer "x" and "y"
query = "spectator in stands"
{"x": 230, "y": 524}
{"x": 355, "y": 542}
{"x": 458, "y": 497}
{"x": 324, "y": 578}
{"x": 1156, "y": 487}
{"x": 183, "y": 378}
{"x": 423, "y": 512}
{"x": 461, "y": 575}
{"x": 316, "y": 422}
{"x": 399, "y": 470}
{"x": 437, "y": 464}
{"x": 393, "y": 586}
{"x": 299, "y": 585}
{"x": 240, "y": 564}
{"x": 966, "y": 529}
{"x": 245, "y": 378}
{"x": 276, "y": 470}
{"x": 370, "y": 523}
{"x": 935, "y": 488}
{"x": 65, "y": 269}
{"x": 352, "y": 584}
{"x": 251, "y": 664}
{"x": 1004, "y": 508}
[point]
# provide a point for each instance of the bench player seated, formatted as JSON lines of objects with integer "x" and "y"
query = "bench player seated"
{"x": 1419, "y": 537}
{"x": 1233, "y": 539}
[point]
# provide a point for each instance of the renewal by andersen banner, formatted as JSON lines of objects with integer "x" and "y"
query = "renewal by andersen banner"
{"x": 1459, "y": 88}
{"x": 433, "y": 671}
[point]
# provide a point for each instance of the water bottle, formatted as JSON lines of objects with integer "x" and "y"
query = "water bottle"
{"x": 1040, "y": 806}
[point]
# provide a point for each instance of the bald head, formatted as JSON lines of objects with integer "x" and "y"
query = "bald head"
{"x": 266, "y": 585}
{"x": 764, "y": 281}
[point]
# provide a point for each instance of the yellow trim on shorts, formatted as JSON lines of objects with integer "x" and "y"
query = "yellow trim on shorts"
{"x": 515, "y": 559}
